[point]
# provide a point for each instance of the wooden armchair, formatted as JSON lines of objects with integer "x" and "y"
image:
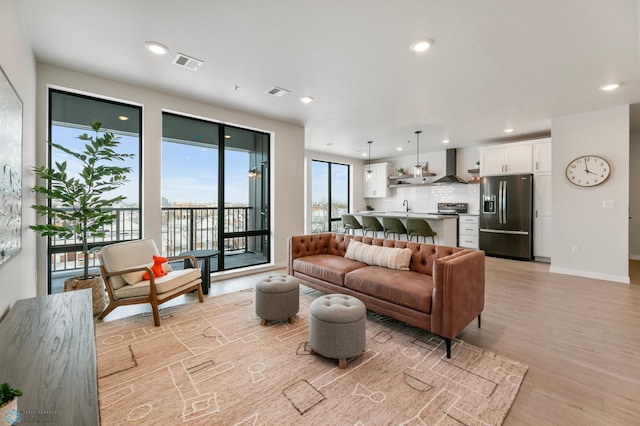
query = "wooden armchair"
{"x": 123, "y": 266}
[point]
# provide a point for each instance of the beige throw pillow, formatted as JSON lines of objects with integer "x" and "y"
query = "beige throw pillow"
{"x": 388, "y": 257}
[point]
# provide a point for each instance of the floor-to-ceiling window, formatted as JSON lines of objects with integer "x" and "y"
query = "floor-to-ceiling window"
{"x": 215, "y": 191}
{"x": 329, "y": 195}
{"x": 71, "y": 115}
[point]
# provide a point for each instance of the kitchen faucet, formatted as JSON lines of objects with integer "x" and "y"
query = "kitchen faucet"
{"x": 407, "y": 203}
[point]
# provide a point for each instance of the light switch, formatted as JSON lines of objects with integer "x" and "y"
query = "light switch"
{"x": 608, "y": 204}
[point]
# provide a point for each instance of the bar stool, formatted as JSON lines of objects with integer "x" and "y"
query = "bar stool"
{"x": 370, "y": 223}
{"x": 350, "y": 223}
{"x": 420, "y": 228}
{"x": 393, "y": 225}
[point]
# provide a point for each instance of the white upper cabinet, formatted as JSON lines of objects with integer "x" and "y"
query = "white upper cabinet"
{"x": 506, "y": 159}
{"x": 378, "y": 185}
{"x": 542, "y": 156}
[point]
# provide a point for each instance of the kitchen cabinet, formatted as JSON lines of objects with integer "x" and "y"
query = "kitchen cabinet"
{"x": 506, "y": 159}
{"x": 468, "y": 231}
{"x": 542, "y": 216}
{"x": 377, "y": 186}
{"x": 542, "y": 156}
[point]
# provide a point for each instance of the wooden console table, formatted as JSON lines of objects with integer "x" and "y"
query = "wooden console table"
{"x": 47, "y": 350}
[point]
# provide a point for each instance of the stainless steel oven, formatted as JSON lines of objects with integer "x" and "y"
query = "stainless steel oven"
{"x": 453, "y": 209}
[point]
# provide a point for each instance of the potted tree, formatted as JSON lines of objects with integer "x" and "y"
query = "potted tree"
{"x": 9, "y": 404}
{"x": 80, "y": 205}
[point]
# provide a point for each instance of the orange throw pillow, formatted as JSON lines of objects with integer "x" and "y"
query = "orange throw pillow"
{"x": 157, "y": 267}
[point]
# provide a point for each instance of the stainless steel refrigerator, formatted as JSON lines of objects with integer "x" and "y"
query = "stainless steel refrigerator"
{"x": 506, "y": 216}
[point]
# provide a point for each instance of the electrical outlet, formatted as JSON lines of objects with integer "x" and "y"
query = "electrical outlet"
{"x": 608, "y": 204}
{"x": 575, "y": 250}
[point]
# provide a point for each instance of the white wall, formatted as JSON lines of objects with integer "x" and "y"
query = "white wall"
{"x": 18, "y": 276}
{"x": 634, "y": 200}
{"x": 287, "y": 150}
{"x": 600, "y": 235}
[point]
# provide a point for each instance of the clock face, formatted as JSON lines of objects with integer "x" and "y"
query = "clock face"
{"x": 588, "y": 170}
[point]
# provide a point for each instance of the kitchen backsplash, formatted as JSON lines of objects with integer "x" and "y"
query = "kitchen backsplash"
{"x": 426, "y": 198}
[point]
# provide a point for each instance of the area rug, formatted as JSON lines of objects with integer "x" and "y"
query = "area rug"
{"x": 212, "y": 363}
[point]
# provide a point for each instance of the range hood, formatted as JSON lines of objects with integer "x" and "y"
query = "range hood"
{"x": 450, "y": 176}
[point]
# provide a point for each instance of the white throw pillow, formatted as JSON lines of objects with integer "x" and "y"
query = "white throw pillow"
{"x": 388, "y": 257}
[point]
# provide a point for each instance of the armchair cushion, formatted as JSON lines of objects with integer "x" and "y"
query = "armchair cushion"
{"x": 137, "y": 276}
{"x": 128, "y": 255}
{"x": 165, "y": 284}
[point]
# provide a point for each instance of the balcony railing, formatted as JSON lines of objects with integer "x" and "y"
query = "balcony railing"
{"x": 183, "y": 228}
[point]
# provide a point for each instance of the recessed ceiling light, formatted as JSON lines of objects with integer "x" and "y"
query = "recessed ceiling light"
{"x": 509, "y": 130}
{"x": 227, "y": 136}
{"x": 609, "y": 87}
{"x": 155, "y": 47}
{"x": 399, "y": 148}
{"x": 422, "y": 45}
{"x": 123, "y": 118}
{"x": 364, "y": 154}
{"x": 306, "y": 99}
{"x": 445, "y": 141}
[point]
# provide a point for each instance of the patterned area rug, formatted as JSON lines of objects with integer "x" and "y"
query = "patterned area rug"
{"x": 212, "y": 363}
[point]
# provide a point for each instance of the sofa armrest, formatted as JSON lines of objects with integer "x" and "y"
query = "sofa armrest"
{"x": 307, "y": 245}
{"x": 458, "y": 292}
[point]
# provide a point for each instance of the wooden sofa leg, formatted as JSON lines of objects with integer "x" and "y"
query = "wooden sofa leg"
{"x": 479, "y": 316}
{"x": 448, "y": 343}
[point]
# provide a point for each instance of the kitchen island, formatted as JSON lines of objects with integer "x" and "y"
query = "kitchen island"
{"x": 446, "y": 226}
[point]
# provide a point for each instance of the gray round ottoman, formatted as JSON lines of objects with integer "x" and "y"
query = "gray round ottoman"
{"x": 337, "y": 327}
{"x": 277, "y": 298}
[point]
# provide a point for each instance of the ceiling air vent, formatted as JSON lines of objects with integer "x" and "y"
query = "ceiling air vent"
{"x": 278, "y": 91}
{"x": 187, "y": 61}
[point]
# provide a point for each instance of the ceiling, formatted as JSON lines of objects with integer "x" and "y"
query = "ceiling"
{"x": 495, "y": 63}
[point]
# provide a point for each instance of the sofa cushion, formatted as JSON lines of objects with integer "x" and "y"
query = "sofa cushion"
{"x": 326, "y": 267}
{"x": 406, "y": 288}
{"x": 388, "y": 257}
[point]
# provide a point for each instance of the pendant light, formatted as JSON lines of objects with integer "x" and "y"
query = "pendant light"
{"x": 417, "y": 169}
{"x": 369, "y": 174}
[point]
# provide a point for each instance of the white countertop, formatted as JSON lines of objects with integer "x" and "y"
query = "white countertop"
{"x": 405, "y": 214}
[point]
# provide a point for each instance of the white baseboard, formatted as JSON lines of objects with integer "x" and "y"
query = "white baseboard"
{"x": 634, "y": 256}
{"x": 594, "y": 275}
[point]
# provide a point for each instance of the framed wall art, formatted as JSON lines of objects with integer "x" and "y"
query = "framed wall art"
{"x": 10, "y": 170}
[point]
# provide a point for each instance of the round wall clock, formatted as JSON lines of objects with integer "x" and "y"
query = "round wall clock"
{"x": 588, "y": 170}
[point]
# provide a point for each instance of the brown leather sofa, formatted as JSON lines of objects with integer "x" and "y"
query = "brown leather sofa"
{"x": 442, "y": 292}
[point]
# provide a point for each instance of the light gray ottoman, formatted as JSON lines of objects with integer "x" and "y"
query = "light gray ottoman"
{"x": 337, "y": 327}
{"x": 277, "y": 298}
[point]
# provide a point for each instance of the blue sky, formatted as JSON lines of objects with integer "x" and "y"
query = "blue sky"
{"x": 189, "y": 173}
{"x": 320, "y": 179}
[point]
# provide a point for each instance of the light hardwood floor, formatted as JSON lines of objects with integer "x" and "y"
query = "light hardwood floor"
{"x": 580, "y": 338}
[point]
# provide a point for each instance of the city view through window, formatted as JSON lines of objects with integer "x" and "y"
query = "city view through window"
{"x": 329, "y": 196}
{"x": 214, "y": 196}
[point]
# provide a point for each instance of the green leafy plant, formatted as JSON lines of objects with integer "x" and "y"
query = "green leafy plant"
{"x": 7, "y": 393}
{"x": 77, "y": 204}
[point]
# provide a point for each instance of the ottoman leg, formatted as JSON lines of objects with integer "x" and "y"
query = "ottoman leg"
{"x": 263, "y": 322}
{"x": 292, "y": 320}
{"x": 342, "y": 363}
